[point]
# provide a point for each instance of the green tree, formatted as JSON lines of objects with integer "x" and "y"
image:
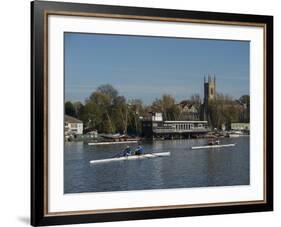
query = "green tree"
{"x": 166, "y": 105}
{"x": 223, "y": 110}
{"x": 102, "y": 101}
{"x": 245, "y": 101}
{"x": 78, "y": 106}
{"x": 91, "y": 116}
{"x": 118, "y": 113}
{"x": 108, "y": 90}
{"x": 69, "y": 109}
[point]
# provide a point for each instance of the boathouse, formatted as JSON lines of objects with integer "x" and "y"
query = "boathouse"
{"x": 156, "y": 127}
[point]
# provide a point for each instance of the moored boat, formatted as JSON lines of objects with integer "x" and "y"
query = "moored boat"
{"x": 113, "y": 142}
{"x": 235, "y": 134}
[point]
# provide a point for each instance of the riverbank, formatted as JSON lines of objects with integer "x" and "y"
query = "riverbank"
{"x": 135, "y": 139}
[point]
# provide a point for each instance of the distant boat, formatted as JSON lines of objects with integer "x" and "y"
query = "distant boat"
{"x": 235, "y": 134}
{"x": 131, "y": 157}
{"x": 213, "y": 146}
{"x": 112, "y": 136}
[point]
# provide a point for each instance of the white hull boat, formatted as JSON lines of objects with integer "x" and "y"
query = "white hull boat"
{"x": 110, "y": 143}
{"x": 132, "y": 157}
{"x": 234, "y": 135}
{"x": 213, "y": 146}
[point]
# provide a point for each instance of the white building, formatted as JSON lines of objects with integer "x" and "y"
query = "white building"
{"x": 157, "y": 117}
{"x": 73, "y": 125}
{"x": 240, "y": 126}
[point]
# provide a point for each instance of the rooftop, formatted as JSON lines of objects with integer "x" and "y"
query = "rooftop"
{"x": 70, "y": 119}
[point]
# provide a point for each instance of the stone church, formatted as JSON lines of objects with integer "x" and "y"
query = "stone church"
{"x": 209, "y": 95}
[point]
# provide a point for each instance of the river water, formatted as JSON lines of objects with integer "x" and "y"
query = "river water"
{"x": 184, "y": 168}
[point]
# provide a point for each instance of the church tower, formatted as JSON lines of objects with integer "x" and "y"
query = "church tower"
{"x": 209, "y": 95}
{"x": 209, "y": 89}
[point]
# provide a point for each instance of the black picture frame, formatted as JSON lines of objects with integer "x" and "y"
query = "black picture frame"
{"x": 39, "y": 110}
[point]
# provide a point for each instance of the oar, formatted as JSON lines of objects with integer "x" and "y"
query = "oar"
{"x": 118, "y": 154}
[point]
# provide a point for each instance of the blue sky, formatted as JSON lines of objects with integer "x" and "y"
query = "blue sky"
{"x": 148, "y": 67}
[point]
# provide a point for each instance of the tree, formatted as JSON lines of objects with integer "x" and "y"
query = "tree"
{"x": 245, "y": 101}
{"x": 78, "y": 106}
{"x": 223, "y": 110}
{"x": 118, "y": 113}
{"x": 69, "y": 109}
{"x": 91, "y": 115}
{"x": 101, "y": 99}
{"x": 108, "y": 90}
{"x": 135, "y": 111}
{"x": 157, "y": 105}
{"x": 195, "y": 98}
{"x": 173, "y": 112}
{"x": 107, "y": 112}
{"x": 103, "y": 102}
{"x": 166, "y": 105}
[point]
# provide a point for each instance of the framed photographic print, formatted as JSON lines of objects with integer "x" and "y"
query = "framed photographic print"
{"x": 142, "y": 113}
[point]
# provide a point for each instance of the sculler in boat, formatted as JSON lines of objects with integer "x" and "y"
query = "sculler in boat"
{"x": 139, "y": 150}
{"x": 214, "y": 142}
{"x": 127, "y": 151}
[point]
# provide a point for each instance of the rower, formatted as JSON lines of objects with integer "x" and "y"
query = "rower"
{"x": 127, "y": 151}
{"x": 139, "y": 150}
